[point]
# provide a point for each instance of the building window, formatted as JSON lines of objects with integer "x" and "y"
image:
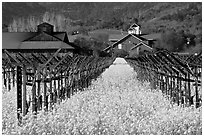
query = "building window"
{"x": 119, "y": 46}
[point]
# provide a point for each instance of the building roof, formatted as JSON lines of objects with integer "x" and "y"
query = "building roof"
{"x": 140, "y": 44}
{"x": 139, "y": 37}
{"x": 126, "y": 37}
{"x": 44, "y": 45}
{"x": 43, "y": 36}
{"x": 45, "y": 24}
{"x": 12, "y": 40}
{"x": 17, "y": 40}
{"x": 60, "y": 35}
{"x": 134, "y": 25}
{"x": 130, "y": 29}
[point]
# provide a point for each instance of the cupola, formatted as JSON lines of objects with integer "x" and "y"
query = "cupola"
{"x": 45, "y": 27}
{"x": 134, "y": 29}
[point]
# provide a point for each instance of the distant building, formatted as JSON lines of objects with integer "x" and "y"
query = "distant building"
{"x": 43, "y": 40}
{"x": 133, "y": 43}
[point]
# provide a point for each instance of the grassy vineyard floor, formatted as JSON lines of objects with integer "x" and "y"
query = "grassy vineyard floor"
{"x": 116, "y": 103}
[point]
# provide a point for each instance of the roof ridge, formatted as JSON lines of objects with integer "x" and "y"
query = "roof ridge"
{"x": 134, "y": 24}
{"x": 42, "y": 33}
{"x": 138, "y": 45}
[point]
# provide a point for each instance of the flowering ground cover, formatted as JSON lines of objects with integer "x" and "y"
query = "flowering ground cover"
{"x": 116, "y": 103}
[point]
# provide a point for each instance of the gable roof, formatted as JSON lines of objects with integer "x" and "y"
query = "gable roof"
{"x": 130, "y": 35}
{"x": 43, "y": 36}
{"x": 130, "y": 29}
{"x": 45, "y": 24}
{"x": 18, "y": 40}
{"x": 60, "y": 35}
{"x": 140, "y": 44}
{"x": 126, "y": 37}
{"x": 134, "y": 25}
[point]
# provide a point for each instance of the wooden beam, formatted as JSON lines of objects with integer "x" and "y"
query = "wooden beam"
{"x": 31, "y": 63}
{"x": 49, "y": 60}
{"x": 10, "y": 57}
{"x": 65, "y": 57}
{"x": 36, "y": 58}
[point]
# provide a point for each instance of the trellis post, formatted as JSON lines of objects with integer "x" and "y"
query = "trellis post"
{"x": 39, "y": 100}
{"x": 190, "y": 101}
{"x": 34, "y": 110}
{"x": 4, "y": 75}
{"x": 19, "y": 91}
{"x": 51, "y": 93}
{"x": 24, "y": 103}
{"x": 13, "y": 74}
{"x": 44, "y": 96}
{"x": 196, "y": 88}
{"x": 9, "y": 79}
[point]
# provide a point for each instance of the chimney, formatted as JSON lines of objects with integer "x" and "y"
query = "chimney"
{"x": 45, "y": 27}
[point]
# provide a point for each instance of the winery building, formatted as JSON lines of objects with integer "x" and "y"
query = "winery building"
{"x": 133, "y": 43}
{"x": 43, "y": 40}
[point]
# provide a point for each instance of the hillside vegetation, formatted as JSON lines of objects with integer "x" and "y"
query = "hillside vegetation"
{"x": 154, "y": 17}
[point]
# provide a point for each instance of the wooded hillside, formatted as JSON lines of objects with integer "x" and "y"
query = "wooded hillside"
{"x": 154, "y": 17}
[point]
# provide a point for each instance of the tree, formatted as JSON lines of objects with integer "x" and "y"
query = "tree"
{"x": 30, "y": 23}
{"x": 172, "y": 41}
{"x": 83, "y": 30}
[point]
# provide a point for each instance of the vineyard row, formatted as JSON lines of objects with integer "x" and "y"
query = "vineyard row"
{"x": 177, "y": 76}
{"x": 43, "y": 79}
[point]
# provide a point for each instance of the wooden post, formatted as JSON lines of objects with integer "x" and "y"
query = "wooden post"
{"x": 55, "y": 91}
{"x": 173, "y": 89}
{"x": 34, "y": 103}
{"x": 196, "y": 88}
{"x": 19, "y": 92}
{"x": 67, "y": 85}
{"x": 189, "y": 91}
{"x": 44, "y": 96}
{"x": 4, "y": 77}
{"x": 24, "y": 91}
{"x": 169, "y": 87}
{"x": 177, "y": 91}
{"x": 181, "y": 93}
{"x": 58, "y": 89}
{"x": 13, "y": 74}
{"x": 61, "y": 79}
{"x": 51, "y": 94}
{"x": 9, "y": 79}
{"x": 39, "y": 103}
{"x": 186, "y": 91}
{"x": 61, "y": 86}
{"x": 166, "y": 85}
